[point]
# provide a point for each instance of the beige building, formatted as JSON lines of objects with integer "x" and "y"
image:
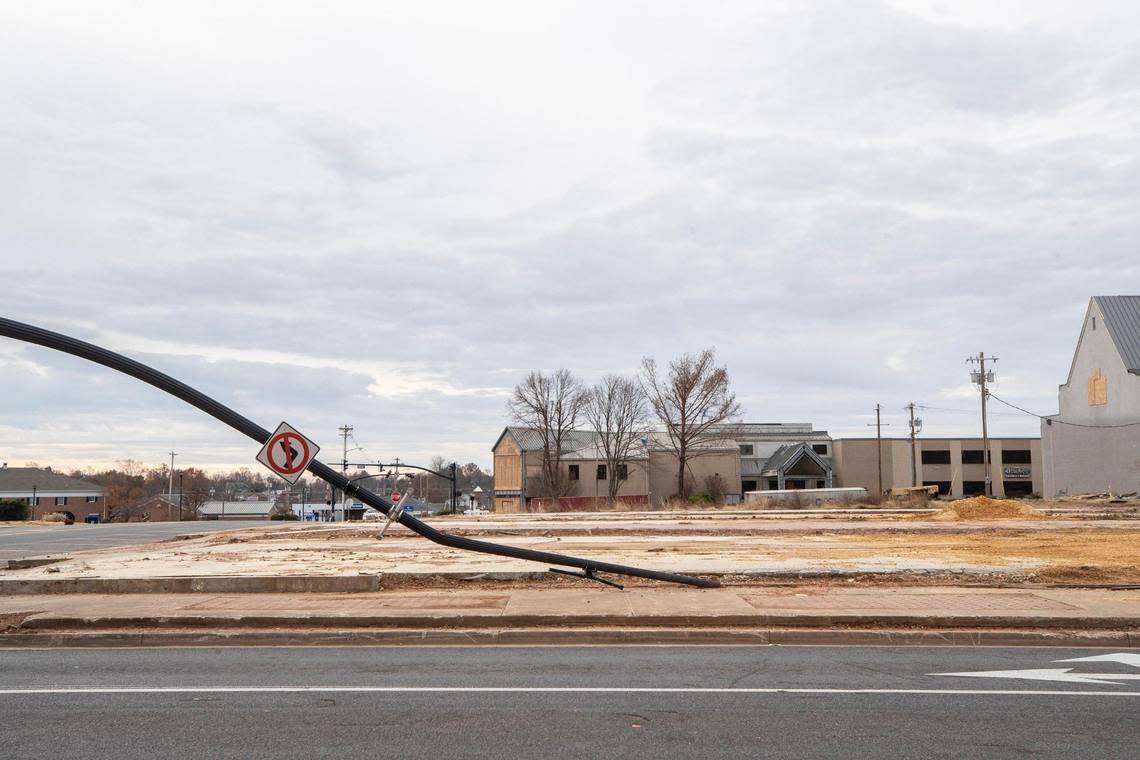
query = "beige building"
{"x": 649, "y": 479}
{"x": 955, "y": 465}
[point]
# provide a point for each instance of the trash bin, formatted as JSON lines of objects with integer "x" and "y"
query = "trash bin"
{"x": 94, "y": 517}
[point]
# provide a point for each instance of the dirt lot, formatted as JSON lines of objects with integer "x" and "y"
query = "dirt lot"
{"x": 859, "y": 549}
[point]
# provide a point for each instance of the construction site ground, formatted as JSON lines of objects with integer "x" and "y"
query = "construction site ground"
{"x": 1082, "y": 544}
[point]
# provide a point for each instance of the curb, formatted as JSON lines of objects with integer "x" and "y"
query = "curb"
{"x": 451, "y": 621}
{"x": 571, "y": 637}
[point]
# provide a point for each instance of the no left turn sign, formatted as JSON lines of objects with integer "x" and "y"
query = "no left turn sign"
{"x": 288, "y": 453}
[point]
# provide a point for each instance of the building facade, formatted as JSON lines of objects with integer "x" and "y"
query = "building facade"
{"x": 49, "y": 492}
{"x": 650, "y": 474}
{"x": 955, "y": 465}
{"x": 1092, "y": 444}
{"x": 778, "y": 455}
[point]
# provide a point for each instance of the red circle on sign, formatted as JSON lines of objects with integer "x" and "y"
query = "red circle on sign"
{"x": 292, "y": 465}
{"x": 395, "y": 496}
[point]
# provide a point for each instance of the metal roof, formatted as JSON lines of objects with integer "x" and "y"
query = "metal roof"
{"x": 236, "y": 508}
{"x": 23, "y": 479}
{"x": 1122, "y": 318}
{"x": 786, "y": 456}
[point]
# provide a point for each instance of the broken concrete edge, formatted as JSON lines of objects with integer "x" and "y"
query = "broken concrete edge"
{"x": 362, "y": 583}
{"x": 217, "y": 584}
{"x": 27, "y": 562}
{"x": 261, "y": 584}
{"x": 573, "y": 637}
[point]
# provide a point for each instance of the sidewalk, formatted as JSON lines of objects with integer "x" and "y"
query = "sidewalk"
{"x": 753, "y": 615}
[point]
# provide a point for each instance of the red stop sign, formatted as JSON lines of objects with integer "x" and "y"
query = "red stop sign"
{"x": 395, "y": 496}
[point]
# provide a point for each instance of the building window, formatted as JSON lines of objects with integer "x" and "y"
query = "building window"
{"x": 573, "y": 472}
{"x": 1016, "y": 456}
{"x": 973, "y": 487}
{"x": 601, "y": 472}
{"x": 819, "y": 448}
{"x": 973, "y": 456}
{"x": 622, "y": 472}
{"x": 936, "y": 457}
{"x": 33, "y": 502}
{"x": 773, "y": 484}
{"x": 92, "y": 499}
{"x": 746, "y": 449}
{"x": 748, "y": 485}
{"x": 61, "y": 501}
{"x": 1018, "y": 488}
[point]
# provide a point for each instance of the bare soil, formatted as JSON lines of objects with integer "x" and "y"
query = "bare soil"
{"x": 985, "y": 508}
{"x": 1004, "y": 544}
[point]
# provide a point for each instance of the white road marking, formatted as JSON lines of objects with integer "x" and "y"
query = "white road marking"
{"x": 532, "y": 690}
{"x": 1126, "y": 658}
{"x": 1065, "y": 675}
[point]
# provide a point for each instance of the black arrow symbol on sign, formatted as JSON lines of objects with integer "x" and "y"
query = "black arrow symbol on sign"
{"x": 290, "y": 453}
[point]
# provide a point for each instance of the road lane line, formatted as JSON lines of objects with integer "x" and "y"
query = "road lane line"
{"x": 535, "y": 690}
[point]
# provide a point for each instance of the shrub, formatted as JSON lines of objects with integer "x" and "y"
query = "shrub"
{"x": 715, "y": 488}
{"x": 55, "y": 517}
{"x": 14, "y": 510}
{"x": 284, "y": 516}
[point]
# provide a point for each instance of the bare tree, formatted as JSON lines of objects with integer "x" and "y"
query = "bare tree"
{"x": 550, "y": 405}
{"x": 693, "y": 403}
{"x": 195, "y": 495}
{"x": 617, "y": 412}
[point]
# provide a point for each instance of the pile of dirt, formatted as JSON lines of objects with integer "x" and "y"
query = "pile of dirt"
{"x": 985, "y": 508}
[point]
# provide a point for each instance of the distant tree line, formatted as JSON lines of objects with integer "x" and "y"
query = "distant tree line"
{"x": 126, "y": 484}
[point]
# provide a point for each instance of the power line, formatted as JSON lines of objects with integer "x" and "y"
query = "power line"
{"x": 358, "y": 446}
{"x": 1050, "y": 421}
{"x": 963, "y": 411}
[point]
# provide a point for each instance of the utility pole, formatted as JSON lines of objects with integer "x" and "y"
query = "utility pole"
{"x": 915, "y": 426}
{"x": 879, "y": 442}
{"x": 980, "y": 377}
{"x": 170, "y": 483}
{"x": 345, "y": 432}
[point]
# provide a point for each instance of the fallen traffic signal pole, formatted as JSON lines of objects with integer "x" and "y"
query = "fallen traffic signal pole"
{"x": 68, "y": 345}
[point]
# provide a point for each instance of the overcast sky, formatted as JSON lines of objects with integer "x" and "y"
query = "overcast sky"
{"x": 384, "y": 214}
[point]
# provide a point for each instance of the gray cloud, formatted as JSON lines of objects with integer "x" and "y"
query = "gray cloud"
{"x": 845, "y": 199}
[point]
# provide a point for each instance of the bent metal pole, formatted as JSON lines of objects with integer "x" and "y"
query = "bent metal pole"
{"x": 68, "y": 345}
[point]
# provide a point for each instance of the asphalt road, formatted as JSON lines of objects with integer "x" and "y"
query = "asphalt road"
{"x": 35, "y": 540}
{"x": 606, "y": 702}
